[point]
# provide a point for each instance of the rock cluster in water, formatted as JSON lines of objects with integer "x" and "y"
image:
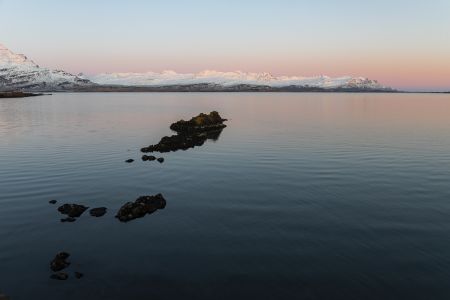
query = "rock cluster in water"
{"x": 140, "y": 207}
{"x": 190, "y": 133}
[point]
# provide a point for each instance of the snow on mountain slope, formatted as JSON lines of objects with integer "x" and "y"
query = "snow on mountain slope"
{"x": 17, "y": 72}
{"x": 227, "y": 79}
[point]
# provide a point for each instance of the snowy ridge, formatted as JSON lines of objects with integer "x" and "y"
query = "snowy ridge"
{"x": 228, "y": 79}
{"x": 17, "y": 72}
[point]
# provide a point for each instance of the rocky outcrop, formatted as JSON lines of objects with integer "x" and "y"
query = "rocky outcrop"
{"x": 140, "y": 207}
{"x": 190, "y": 134}
{"x": 201, "y": 123}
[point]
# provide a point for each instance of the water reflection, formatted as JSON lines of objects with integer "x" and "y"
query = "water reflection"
{"x": 183, "y": 141}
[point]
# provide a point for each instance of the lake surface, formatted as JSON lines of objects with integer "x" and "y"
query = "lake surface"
{"x": 303, "y": 196}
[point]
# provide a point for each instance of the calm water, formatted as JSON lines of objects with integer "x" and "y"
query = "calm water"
{"x": 303, "y": 196}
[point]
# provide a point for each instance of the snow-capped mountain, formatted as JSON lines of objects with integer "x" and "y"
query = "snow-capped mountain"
{"x": 230, "y": 79}
{"x": 17, "y": 72}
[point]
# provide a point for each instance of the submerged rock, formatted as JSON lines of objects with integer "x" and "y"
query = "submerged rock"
{"x": 60, "y": 262}
{"x": 72, "y": 210}
{"x": 202, "y": 122}
{"x": 140, "y": 207}
{"x": 52, "y": 201}
{"x": 161, "y": 160}
{"x": 129, "y": 160}
{"x": 59, "y": 276}
{"x": 148, "y": 157}
{"x": 98, "y": 211}
{"x": 68, "y": 219}
{"x": 78, "y": 275}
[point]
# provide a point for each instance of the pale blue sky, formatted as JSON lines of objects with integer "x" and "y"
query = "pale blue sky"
{"x": 401, "y": 43}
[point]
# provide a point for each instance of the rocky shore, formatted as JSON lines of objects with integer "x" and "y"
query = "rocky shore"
{"x": 18, "y": 94}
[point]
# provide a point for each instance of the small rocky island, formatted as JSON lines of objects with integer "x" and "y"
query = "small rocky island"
{"x": 190, "y": 133}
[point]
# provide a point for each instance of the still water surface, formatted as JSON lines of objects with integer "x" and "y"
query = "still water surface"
{"x": 303, "y": 196}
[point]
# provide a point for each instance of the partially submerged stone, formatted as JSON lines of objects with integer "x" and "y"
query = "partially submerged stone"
{"x": 72, "y": 210}
{"x": 78, "y": 275}
{"x": 160, "y": 160}
{"x": 52, "y": 201}
{"x": 68, "y": 220}
{"x": 148, "y": 157}
{"x": 140, "y": 207}
{"x": 129, "y": 160}
{"x": 59, "y": 276}
{"x": 98, "y": 211}
{"x": 60, "y": 262}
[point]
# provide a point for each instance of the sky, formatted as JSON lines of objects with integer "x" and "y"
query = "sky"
{"x": 403, "y": 44}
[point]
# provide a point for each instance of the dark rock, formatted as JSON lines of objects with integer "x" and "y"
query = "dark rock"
{"x": 78, "y": 275}
{"x": 59, "y": 276}
{"x": 129, "y": 160}
{"x": 98, "y": 211}
{"x": 52, "y": 201}
{"x": 200, "y": 123}
{"x": 148, "y": 157}
{"x": 190, "y": 134}
{"x": 161, "y": 160}
{"x": 68, "y": 219}
{"x": 140, "y": 207}
{"x": 72, "y": 210}
{"x": 60, "y": 262}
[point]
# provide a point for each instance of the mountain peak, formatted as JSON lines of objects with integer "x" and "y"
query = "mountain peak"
{"x": 7, "y": 57}
{"x": 17, "y": 72}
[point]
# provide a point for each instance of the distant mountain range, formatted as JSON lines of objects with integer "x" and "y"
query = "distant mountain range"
{"x": 17, "y": 72}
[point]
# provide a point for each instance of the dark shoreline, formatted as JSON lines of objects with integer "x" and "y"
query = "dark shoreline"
{"x": 4, "y": 95}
